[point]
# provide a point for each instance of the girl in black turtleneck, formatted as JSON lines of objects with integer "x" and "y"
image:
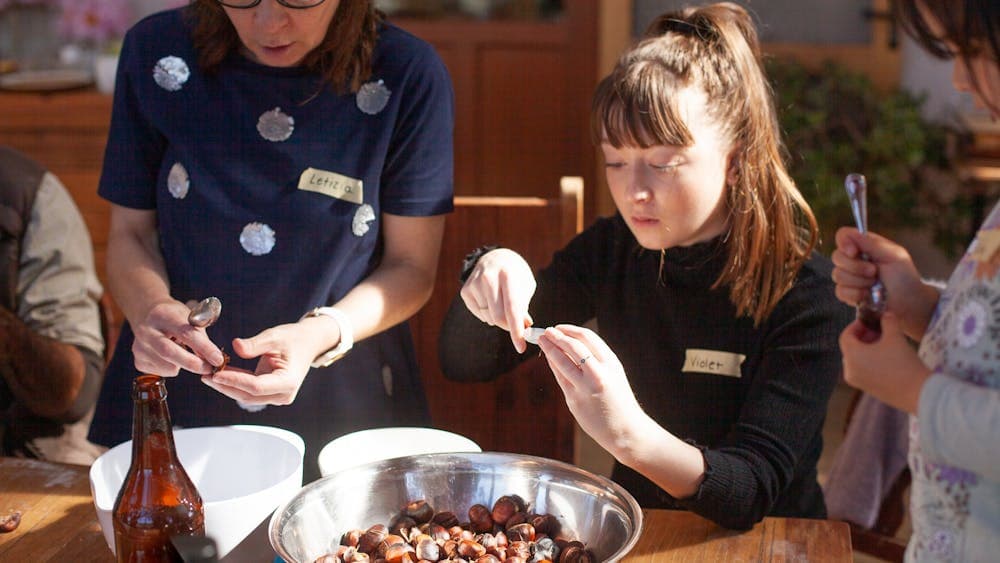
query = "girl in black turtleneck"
{"x": 718, "y": 323}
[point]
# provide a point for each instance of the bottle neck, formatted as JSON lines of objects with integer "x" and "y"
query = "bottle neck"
{"x": 152, "y": 436}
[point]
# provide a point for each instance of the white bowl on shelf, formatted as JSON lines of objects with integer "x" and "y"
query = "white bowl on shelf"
{"x": 376, "y": 444}
{"x": 242, "y": 472}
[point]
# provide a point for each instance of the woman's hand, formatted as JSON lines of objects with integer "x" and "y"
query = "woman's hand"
{"x": 285, "y": 354}
{"x": 911, "y": 299}
{"x": 888, "y": 368}
{"x": 498, "y": 292}
{"x": 165, "y": 342}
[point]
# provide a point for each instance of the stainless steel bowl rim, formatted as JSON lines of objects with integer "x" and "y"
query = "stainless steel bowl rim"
{"x": 600, "y": 485}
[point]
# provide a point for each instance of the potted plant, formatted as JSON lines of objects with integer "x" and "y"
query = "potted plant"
{"x": 835, "y": 122}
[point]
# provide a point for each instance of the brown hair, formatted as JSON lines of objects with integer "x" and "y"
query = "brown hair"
{"x": 771, "y": 228}
{"x": 972, "y": 25}
{"x": 343, "y": 59}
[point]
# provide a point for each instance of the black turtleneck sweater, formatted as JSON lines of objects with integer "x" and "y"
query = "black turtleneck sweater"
{"x": 759, "y": 430}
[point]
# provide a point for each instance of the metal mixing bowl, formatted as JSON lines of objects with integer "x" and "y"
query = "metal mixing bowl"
{"x": 591, "y": 508}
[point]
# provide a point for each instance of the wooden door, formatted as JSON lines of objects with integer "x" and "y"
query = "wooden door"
{"x": 522, "y": 93}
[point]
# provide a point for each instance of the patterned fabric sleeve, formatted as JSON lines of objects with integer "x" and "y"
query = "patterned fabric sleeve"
{"x": 958, "y": 425}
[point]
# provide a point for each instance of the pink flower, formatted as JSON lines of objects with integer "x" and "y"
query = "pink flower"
{"x": 94, "y": 20}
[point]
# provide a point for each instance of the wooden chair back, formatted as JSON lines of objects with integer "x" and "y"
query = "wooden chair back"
{"x": 522, "y": 411}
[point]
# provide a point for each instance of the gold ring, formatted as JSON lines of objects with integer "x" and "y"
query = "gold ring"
{"x": 584, "y": 359}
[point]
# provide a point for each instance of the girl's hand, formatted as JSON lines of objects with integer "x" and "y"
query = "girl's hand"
{"x": 498, "y": 292}
{"x": 888, "y": 368}
{"x": 165, "y": 342}
{"x": 909, "y": 297}
{"x": 595, "y": 385}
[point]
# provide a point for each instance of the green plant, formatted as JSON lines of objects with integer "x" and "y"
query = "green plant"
{"x": 835, "y": 122}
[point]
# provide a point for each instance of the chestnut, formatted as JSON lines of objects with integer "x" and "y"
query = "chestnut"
{"x": 518, "y": 517}
{"x": 400, "y": 553}
{"x": 445, "y": 518}
{"x": 546, "y": 524}
{"x": 438, "y": 532}
{"x": 545, "y": 549}
{"x": 383, "y": 546}
{"x": 521, "y": 532}
{"x": 372, "y": 537}
{"x": 480, "y": 518}
{"x": 571, "y": 554}
{"x": 351, "y": 538}
{"x": 487, "y": 540}
{"x": 402, "y": 523}
{"x": 427, "y": 548}
{"x": 470, "y": 549}
{"x": 419, "y": 510}
{"x": 341, "y": 552}
{"x": 520, "y": 549}
{"x": 505, "y": 507}
{"x": 450, "y": 548}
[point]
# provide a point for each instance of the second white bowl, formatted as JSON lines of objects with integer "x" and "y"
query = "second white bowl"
{"x": 376, "y": 444}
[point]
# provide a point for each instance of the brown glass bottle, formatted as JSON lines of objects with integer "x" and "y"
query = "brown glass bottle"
{"x": 158, "y": 500}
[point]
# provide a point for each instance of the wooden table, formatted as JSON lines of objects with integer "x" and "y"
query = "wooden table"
{"x": 671, "y": 535}
{"x": 59, "y": 524}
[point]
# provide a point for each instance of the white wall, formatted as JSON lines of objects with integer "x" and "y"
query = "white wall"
{"x": 922, "y": 73}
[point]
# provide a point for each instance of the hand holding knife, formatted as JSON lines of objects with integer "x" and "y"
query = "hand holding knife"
{"x": 871, "y": 307}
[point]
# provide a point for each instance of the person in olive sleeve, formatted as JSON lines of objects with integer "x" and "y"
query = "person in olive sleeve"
{"x": 51, "y": 345}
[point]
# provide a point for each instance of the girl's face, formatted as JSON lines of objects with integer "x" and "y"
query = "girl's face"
{"x": 275, "y": 35}
{"x": 987, "y": 78}
{"x": 985, "y": 89}
{"x": 673, "y": 196}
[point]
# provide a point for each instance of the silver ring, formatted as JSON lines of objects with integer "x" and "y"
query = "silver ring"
{"x": 584, "y": 359}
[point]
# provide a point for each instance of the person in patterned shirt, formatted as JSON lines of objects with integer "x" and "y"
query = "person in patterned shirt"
{"x": 951, "y": 385}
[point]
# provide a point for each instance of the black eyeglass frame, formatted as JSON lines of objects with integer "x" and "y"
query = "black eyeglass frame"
{"x": 256, "y": 2}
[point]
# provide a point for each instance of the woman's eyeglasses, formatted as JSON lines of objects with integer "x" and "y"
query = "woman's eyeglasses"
{"x": 294, "y": 4}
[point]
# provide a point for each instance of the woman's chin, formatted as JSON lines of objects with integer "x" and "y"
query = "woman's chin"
{"x": 277, "y": 57}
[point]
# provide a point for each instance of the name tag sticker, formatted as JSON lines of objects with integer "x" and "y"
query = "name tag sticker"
{"x": 712, "y": 361}
{"x": 331, "y": 184}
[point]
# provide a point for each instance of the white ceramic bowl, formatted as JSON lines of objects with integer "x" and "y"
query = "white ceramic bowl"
{"x": 242, "y": 472}
{"x": 377, "y": 444}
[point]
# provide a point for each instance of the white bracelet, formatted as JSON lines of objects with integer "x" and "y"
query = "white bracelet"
{"x": 346, "y": 335}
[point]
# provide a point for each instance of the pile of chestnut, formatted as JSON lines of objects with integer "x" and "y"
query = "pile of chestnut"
{"x": 508, "y": 533}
